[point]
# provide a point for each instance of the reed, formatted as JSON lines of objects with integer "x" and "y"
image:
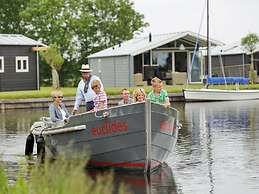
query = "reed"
{"x": 59, "y": 177}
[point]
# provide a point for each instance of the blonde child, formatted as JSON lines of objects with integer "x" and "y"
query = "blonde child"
{"x": 100, "y": 100}
{"x": 139, "y": 95}
{"x": 158, "y": 94}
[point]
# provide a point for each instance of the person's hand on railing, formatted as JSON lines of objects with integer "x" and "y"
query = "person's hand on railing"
{"x": 66, "y": 120}
{"x": 74, "y": 112}
{"x": 106, "y": 114}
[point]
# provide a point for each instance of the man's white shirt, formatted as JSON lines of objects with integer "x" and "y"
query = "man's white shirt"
{"x": 89, "y": 95}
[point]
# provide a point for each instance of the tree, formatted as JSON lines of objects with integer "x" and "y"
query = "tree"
{"x": 10, "y": 20}
{"x": 53, "y": 57}
{"x": 249, "y": 43}
{"x": 113, "y": 21}
{"x": 80, "y": 27}
{"x": 51, "y": 21}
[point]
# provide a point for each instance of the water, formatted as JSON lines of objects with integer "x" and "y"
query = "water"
{"x": 217, "y": 150}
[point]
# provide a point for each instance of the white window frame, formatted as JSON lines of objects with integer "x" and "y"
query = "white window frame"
{"x": 2, "y": 65}
{"x": 22, "y": 58}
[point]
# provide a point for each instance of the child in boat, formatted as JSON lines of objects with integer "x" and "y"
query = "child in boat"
{"x": 139, "y": 95}
{"x": 100, "y": 100}
{"x": 125, "y": 95}
{"x": 158, "y": 94}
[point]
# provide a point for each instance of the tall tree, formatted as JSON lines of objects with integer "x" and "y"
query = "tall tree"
{"x": 55, "y": 21}
{"x": 113, "y": 21}
{"x": 81, "y": 27}
{"x": 249, "y": 42}
{"x": 10, "y": 20}
{"x": 53, "y": 57}
{"x": 51, "y": 21}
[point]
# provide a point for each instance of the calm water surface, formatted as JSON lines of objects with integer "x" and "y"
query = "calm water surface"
{"x": 217, "y": 150}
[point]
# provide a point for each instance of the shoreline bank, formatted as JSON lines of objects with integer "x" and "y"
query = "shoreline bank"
{"x": 6, "y": 104}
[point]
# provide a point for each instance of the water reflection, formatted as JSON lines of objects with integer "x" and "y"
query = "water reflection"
{"x": 160, "y": 182}
{"x": 12, "y": 121}
{"x": 215, "y": 147}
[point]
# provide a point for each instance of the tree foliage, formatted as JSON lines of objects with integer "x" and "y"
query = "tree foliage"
{"x": 10, "y": 20}
{"x": 77, "y": 27}
{"x": 53, "y": 57}
{"x": 249, "y": 42}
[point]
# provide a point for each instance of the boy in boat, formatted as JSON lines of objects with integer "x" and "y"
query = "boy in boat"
{"x": 100, "y": 100}
{"x": 125, "y": 94}
{"x": 158, "y": 94}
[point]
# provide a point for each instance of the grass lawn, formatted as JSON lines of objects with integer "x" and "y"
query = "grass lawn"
{"x": 44, "y": 92}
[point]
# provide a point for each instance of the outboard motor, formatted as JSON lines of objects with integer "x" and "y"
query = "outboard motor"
{"x": 40, "y": 147}
{"x": 29, "y": 145}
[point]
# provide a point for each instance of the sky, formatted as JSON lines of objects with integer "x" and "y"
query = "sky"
{"x": 230, "y": 20}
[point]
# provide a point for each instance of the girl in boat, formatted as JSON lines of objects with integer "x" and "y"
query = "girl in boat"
{"x": 100, "y": 100}
{"x": 139, "y": 95}
{"x": 158, "y": 94}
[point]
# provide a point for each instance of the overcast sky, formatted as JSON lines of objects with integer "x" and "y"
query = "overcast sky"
{"x": 230, "y": 20}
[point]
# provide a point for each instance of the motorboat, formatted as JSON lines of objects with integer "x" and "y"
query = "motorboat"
{"x": 137, "y": 136}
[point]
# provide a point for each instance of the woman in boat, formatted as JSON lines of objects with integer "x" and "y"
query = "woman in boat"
{"x": 100, "y": 100}
{"x": 57, "y": 109}
{"x": 158, "y": 94}
{"x": 139, "y": 95}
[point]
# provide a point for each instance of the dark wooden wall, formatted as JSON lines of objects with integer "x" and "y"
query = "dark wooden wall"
{"x": 11, "y": 80}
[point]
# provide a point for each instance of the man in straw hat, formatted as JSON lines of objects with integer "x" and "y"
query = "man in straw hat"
{"x": 84, "y": 89}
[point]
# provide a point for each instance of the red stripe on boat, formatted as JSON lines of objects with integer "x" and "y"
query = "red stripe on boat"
{"x": 123, "y": 164}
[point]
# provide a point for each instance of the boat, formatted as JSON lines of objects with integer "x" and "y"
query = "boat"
{"x": 206, "y": 94}
{"x": 138, "y": 136}
{"x": 219, "y": 95}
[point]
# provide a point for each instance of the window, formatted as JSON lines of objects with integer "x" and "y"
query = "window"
{"x": 22, "y": 64}
{"x": 161, "y": 66}
{"x": 180, "y": 61}
{"x": 147, "y": 58}
{"x": 162, "y": 58}
{"x": 1, "y": 64}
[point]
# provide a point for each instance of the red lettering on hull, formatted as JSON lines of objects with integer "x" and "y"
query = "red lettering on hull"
{"x": 167, "y": 126}
{"x": 109, "y": 128}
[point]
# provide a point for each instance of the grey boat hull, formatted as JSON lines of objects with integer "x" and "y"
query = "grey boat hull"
{"x": 138, "y": 136}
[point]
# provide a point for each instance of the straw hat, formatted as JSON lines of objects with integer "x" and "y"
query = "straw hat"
{"x": 85, "y": 68}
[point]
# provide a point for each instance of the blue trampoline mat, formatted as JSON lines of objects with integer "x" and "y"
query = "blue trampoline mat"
{"x": 229, "y": 80}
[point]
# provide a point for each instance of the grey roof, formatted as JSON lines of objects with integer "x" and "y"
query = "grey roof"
{"x": 231, "y": 49}
{"x": 18, "y": 39}
{"x": 139, "y": 45}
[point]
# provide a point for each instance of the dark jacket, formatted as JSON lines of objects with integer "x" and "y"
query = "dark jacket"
{"x": 55, "y": 113}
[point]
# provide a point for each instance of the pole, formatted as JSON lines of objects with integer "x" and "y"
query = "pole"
{"x": 208, "y": 40}
{"x": 147, "y": 169}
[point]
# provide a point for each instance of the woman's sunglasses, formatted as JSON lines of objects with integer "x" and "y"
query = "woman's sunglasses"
{"x": 58, "y": 96}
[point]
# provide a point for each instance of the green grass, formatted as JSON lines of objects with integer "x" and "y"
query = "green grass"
{"x": 44, "y": 92}
{"x": 59, "y": 177}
